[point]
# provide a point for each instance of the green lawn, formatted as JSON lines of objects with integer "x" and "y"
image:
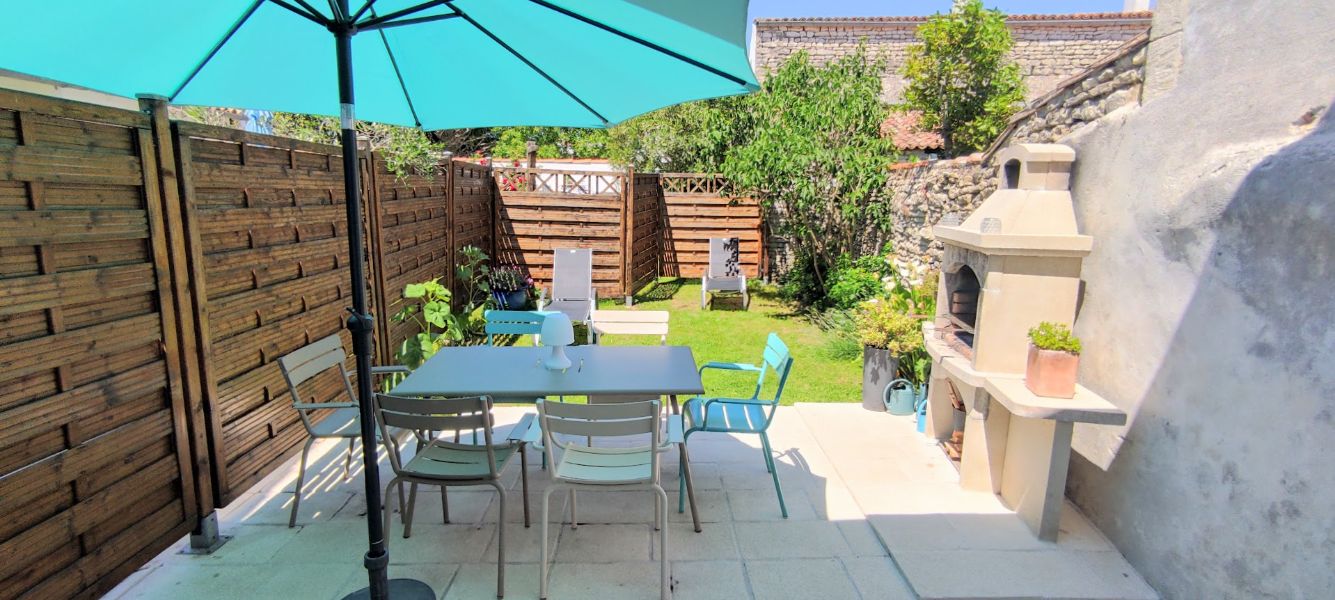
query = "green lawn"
{"x": 733, "y": 335}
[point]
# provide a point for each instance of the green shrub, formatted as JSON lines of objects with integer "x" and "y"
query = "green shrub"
{"x": 1054, "y": 336}
{"x": 881, "y": 326}
{"x": 852, "y": 282}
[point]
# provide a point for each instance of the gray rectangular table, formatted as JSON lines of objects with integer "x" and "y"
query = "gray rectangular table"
{"x": 507, "y": 371}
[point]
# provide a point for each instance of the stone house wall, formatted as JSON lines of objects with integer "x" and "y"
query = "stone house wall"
{"x": 921, "y": 193}
{"x": 1048, "y": 48}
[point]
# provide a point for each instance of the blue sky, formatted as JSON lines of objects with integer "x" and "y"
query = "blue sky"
{"x": 867, "y": 8}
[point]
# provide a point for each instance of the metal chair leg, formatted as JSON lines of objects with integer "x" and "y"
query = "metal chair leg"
{"x": 389, "y": 506}
{"x": 444, "y": 505}
{"x": 542, "y": 577}
{"x": 774, "y": 473}
{"x": 523, "y": 479}
{"x": 689, "y": 486}
{"x": 574, "y": 518}
{"x": 660, "y": 503}
{"x": 500, "y": 542}
{"x": 301, "y": 480}
{"x": 408, "y": 513}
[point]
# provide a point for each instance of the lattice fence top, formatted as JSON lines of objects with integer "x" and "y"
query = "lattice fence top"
{"x": 696, "y": 183}
{"x": 589, "y": 183}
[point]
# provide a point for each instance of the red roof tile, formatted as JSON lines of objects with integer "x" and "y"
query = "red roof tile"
{"x": 902, "y": 128}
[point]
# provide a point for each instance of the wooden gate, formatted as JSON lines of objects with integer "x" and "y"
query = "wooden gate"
{"x": 95, "y": 469}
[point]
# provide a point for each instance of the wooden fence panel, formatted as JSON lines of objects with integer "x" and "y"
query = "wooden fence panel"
{"x": 530, "y": 225}
{"x": 473, "y": 203}
{"x": 268, "y": 251}
{"x": 644, "y": 249}
{"x": 697, "y": 207}
{"x": 412, "y": 241}
{"x": 95, "y": 468}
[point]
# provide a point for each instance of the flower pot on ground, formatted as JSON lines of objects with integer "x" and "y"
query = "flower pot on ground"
{"x": 891, "y": 343}
{"x": 878, "y": 370}
{"x": 1054, "y": 358}
{"x": 510, "y": 287}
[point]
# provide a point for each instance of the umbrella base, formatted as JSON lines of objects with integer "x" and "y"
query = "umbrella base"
{"x": 399, "y": 589}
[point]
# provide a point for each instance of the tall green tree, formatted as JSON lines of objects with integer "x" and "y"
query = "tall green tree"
{"x": 960, "y": 77}
{"x": 406, "y": 150}
{"x": 553, "y": 142}
{"x": 689, "y": 137}
{"x": 816, "y": 153}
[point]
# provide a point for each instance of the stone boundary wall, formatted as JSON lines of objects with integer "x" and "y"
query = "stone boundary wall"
{"x": 1048, "y": 48}
{"x": 921, "y": 193}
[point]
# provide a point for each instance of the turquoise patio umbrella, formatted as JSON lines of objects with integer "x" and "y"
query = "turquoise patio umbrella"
{"x": 437, "y": 64}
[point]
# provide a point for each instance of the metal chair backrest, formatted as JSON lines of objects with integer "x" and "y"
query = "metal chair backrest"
{"x": 725, "y": 258}
{"x": 599, "y": 420}
{"x": 512, "y": 322}
{"x": 303, "y": 364}
{"x": 572, "y": 274}
{"x": 423, "y": 416}
{"x": 778, "y": 358}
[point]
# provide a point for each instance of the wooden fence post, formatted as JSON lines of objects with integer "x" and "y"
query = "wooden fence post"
{"x": 192, "y": 419}
{"x": 628, "y": 235}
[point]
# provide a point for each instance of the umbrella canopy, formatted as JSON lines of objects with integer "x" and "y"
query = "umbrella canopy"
{"x": 437, "y": 64}
{"x": 440, "y": 65}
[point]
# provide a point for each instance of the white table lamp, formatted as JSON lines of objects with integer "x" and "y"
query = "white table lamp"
{"x": 557, "y": 333}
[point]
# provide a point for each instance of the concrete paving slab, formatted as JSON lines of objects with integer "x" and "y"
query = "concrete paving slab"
{"x": 763, "y": 505}
{"x": 861, "y": 538}
{"x": 791, "y": 539}
{"x": 478, "y": 581}
{"x": 716, "y": 542}
{"x": 877, "y": 577}
{"x": 625, "y": 580}
{"x": 605, "y": 543}
{"x": 709, "y": 580}
{"x": 800, "y": 579}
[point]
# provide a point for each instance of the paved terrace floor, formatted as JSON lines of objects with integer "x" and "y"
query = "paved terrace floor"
{"x": 875, "y": 512}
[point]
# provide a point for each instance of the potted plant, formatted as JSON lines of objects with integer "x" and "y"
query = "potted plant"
{"x": 1054, "y": 356}
{"x": 891, "y": 341}
{"x": 510, "y": 287}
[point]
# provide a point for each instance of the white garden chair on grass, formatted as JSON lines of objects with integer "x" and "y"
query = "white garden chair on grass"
{"x": 342, "y": 420}
{"x": 724, "y": 273}
{"x": 628, "y": 322}
{"x": 572, "y": 286}
{"x": 613, "y": 468}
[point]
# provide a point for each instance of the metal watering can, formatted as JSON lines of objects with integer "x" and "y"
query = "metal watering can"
{"x": 900, "y": 397}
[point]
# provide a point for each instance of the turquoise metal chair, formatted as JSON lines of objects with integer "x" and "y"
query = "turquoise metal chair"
{"x": 742, "y": 415}
{"x": 512, "y": 322}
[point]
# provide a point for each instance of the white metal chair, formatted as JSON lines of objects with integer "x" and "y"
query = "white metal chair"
{"x": 724, "y": 273}
{"x": 572, "y": 286}
{"x": 342, "y": 419}
{"x": 443, "y": 463}
{"x": 615, "y": 468}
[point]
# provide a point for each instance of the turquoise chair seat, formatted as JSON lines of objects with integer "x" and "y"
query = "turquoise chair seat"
{"x": 726, "y": 414}
{"x": 742, "y": 415}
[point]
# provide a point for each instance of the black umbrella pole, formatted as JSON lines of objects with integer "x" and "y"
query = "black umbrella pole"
{"x": 360, "y": 322}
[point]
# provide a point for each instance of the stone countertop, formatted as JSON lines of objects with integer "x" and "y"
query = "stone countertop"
{"x": 1010, "y": 391}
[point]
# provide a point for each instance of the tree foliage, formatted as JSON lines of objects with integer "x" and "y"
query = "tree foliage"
{"x": 553, "y": 142}
{"x": 960, "y": 77}
{"x": 406, "y": 150}
{"x": 690, "y": 137}
{"x": 816, "y": 152}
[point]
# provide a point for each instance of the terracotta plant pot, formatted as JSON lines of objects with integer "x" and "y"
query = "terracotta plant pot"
{"x": 1051, "y": 373}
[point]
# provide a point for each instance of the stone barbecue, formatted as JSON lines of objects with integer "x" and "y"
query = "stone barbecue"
{"x": 1013, "y": 263}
